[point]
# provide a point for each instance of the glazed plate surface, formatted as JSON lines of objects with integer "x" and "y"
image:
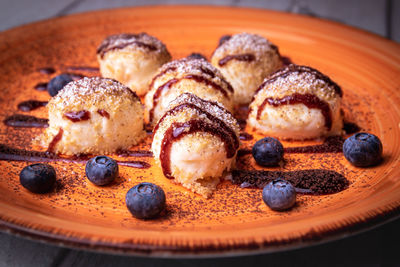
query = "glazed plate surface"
{"x": 234, "y": 220}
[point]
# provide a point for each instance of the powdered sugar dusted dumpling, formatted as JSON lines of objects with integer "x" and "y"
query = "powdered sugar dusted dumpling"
{"x": 93, "y": 115}
{"x": 245, "y": 60}
{"x": 297, "y": 102}
{"x": 195, "y": 142}
{"x": 132, "y": 59}
{"x": 192, "y": 75}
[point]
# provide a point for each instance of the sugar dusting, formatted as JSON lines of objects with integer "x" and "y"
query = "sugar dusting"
{"x": 210, "y": 107}
{"x": 96, "y": 88}
{"x": 246, "y": 42}
{"x": 304, "y": 78}
{"x": 197, "y": 66}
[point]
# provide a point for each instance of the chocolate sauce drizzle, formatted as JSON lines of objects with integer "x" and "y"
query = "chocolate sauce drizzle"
{"x": 159, "y": 75}
{"x": 102, "y": 50}
{"x": 82, "y": 68}
{"x": 243, "y": 151}
{"x": 134, "y": 164}
{"x": 57, "y": 138}
{"x": 26, "y": 121}
{"x": 331, "y": 144}
{"x": 201, "y": 79}
{"x": 211, "y": 74}
{"x": 282, "y": 73}
{"x": 103, "y": 113}
{"x": 76, "y": 76}
{"x": 13, "y": 154}
{"x": 286, "y": 61}
{"x": 351, "y": 127}
{"x": 316, "y": 181}
{"x": 148, "y": 128}
{"x": 168, "y": 84}
{"x": 134, "y": 153}
{"x": 240, "y": 57}
{"x": 77, "y": 116}
{"x": 47, "y": 70}
{"x": 220, "y": 124}
{"x": 157, "y": 95}
{"x": 245, "y": 136}
{"x": 41, "y": 87}
{"x": 30, "y": 105}
{"x": 309, "y": 100}
{"x": 178, "y": 130}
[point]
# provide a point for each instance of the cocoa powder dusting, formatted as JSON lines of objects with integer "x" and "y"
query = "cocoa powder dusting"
{"x": 316, "y": 181}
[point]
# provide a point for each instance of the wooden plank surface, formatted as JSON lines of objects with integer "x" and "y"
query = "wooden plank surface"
{"x": 374, "y": 248}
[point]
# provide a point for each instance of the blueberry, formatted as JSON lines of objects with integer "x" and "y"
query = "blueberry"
{"x": 58, "y": 83}
{"x": 38, "y": 178}
{"x": 196, "y": 56}
{"x": 363, "y": 149}
{"x": 145, "y": 200}
{"x": 279, "y": 195}
{"x": 268, "y": 152}
{"x": 223, "y": 39}
{"x": 101, "y": 170}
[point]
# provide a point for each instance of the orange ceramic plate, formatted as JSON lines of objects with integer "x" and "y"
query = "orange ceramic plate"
{"x": 234, "y": 220}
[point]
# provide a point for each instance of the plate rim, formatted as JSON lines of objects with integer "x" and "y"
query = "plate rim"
{"x": 212, "y": 252}
{"x": 376, "y": 220}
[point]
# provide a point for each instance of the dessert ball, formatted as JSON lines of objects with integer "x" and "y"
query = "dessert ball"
{"x": 245, "y": 60}
{"x": 191, "y": 75}
{"x": 297, "y": 102}
{"x": 195, "y": 142}
{"x": 132, "y": 59}
{"x": 93, "y": 115}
